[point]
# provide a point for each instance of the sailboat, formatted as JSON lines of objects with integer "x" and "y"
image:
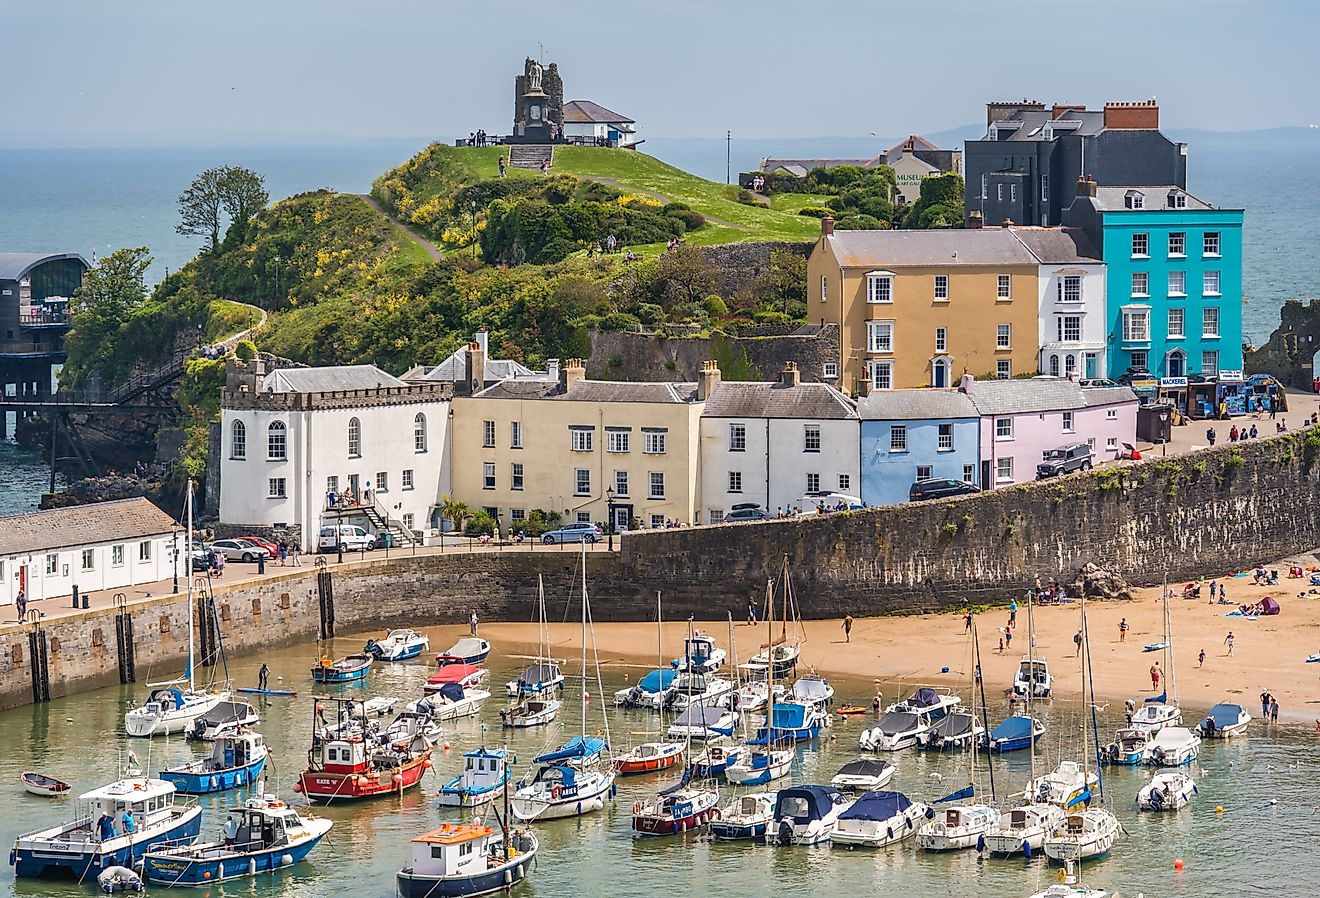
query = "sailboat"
{"x": 1090, "y": 830}
{"x": 649, "y": 757}
{"x": 541, "y": 678}
{"x": 681, "y": 808}
{"x": 169, "y": 709}
{"x": 767, "y": 761}
{"x": 1157, "y": 712}
{"x": 778, "y": 655}
{"x": 721, "y": 751}
{"x": 538, "y": 705}
{"x": 962, "y": 825}
{"x": 1022, "y": 830}
{"x": 578, "y": 777}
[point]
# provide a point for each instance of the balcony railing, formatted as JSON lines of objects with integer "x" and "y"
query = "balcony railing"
{"x": 44, "y": 316}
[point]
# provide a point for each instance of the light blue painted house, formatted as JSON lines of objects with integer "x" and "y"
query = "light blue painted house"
{"x": 1174, "y": 278}
{"x": 910, "y": 435}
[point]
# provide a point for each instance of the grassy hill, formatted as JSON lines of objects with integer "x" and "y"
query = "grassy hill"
{"x": 421, "y": 192}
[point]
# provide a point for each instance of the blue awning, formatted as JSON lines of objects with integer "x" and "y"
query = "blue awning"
{"x": 657, "y": 680}
{"x": 802, "y": 804}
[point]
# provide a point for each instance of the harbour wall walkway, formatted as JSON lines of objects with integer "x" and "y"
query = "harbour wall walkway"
{"x": 1206, "y": 513}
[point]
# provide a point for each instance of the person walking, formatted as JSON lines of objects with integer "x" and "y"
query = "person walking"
{"x": 847, "y": 627}
{"x": 751, "y": 611}
{"x": 20, "y": 605}
{"x": 1122, "y": 630}
{"x": 1228, "y": 641}
{"x": 876, "y": 704}
{"x": 263, "y": 677}
{"x": 1214, "y": 587}
{"x": 1155, "y": 677}
{"x": 472, "y": 622}
{"x": 295, "y": 552}
{"x": 1008, "y": 638}
{"x": 1274, "y": 710}
{"x": 1077, "y": 643}
{"x": 283, "y": 548}
{"x": 1012, "y": 612}
{"x": 1210, "y": 435}
{"x": 967, "y": 622}
{"x": 504, "y": 166}
{"x": 1200, "y": 659}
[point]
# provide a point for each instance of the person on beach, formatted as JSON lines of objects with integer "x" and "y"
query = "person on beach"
{"x": 1012, "y": 613}
{"x": 1155, "y": 677}
{"x": 1200, "y": 659}
{"x": 263, "y": 677}
{"x": 1265, "y": 704}
{"x": 847, "y": 627}
{"x": 1274, "y": 710}
{"x": 1001, "y": 642}
{"x": 751, "y": 611}
{"x": 1008, "y": 639}
{"x": 1228, "y": 641}
{"x": 1214, "y": 587}
{"x": 472, "y": 622}
{"x": 967, "y": 622}
{"x": 1122, "y": 630}
{"x": 875, "y": 705}
{"x": 1077, "y": 643}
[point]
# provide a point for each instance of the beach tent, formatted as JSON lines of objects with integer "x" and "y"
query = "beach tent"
{"x": 1269, "y": 606}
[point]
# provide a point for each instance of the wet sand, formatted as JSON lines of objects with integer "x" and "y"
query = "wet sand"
{"x": 899, "y": 652}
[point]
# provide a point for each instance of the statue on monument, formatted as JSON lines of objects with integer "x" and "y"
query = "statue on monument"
{"x": 534, "y": 77}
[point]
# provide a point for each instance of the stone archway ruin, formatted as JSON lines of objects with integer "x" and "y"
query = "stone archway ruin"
{"x": 1290, "y": 351}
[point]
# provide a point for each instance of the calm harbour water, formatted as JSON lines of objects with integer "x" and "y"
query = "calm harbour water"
{"x": 79, "y": 739}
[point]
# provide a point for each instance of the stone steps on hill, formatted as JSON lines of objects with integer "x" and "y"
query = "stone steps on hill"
{"x": 530, "y": 155}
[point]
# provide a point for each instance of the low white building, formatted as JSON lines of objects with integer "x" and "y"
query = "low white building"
{"x": 585, "y": 121}
{"x": 97, "y": 547}
{"x": 311, "y": 446}
{"x": 774, "y": 443}
{"x": 1072, "y": 301}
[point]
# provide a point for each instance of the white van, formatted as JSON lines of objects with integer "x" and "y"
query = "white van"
{"x": 348, "y": 536}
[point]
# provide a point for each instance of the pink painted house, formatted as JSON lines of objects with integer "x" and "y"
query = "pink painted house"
{"x": 1022, "y": 419}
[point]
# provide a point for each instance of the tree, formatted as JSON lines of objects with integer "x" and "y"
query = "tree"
{"x": 686, "y": 274}
{"x": 940, "y": 204}
{"x": 111, "y": 291}
{"x": 454, "y": 510}
{"x": 232, "y": 191}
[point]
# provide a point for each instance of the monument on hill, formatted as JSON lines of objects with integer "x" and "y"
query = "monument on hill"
{"x": 538, "y": 104}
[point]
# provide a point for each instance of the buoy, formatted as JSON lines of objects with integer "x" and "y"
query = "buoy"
{"x": 397, "y": 778}
{"x": 944, "y": 669}
{"x": 206, "y": 874}
{"x": 297, "y": 787}
{"x": 286, "y": 860}
{"x": 445, "y": 746}
{"x": 427, "y": 764}
{"x": 1178, "y": 865}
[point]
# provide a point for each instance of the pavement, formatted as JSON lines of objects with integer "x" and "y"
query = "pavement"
{"x": 1191, "y": 436}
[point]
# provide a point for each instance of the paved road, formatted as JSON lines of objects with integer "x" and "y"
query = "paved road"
{"x": 431, "y": 249}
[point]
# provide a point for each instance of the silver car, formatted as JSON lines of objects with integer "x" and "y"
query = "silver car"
{"x": 239, "y": 550}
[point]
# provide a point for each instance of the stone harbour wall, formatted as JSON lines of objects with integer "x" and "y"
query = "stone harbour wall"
{"x": 1206, "y": 513}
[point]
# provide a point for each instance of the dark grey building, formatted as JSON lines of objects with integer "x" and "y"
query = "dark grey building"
{"x": 1027, "y": 166}
{"x": 35, "y": 292}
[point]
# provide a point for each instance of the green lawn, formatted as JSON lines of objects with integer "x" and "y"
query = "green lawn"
{"x": 792, "y": 202}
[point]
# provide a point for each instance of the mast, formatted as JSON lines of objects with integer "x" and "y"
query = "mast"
{"x": 985, "y": 712}
{"x": 1095, "y": 724}
{"x": 770, "y": 665}
{"x": 584, "y": 647}
{"x": 1081, "y": 665}
{"x": 1168, "y": 639}
{"x": 191, "y": 686}
{"x": 1031, "y": 687}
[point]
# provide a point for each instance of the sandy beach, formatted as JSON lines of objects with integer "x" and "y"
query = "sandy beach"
{"x": 899, "y": 652}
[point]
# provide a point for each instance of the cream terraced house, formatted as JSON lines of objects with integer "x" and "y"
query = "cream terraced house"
{"x": 567, "y": 447}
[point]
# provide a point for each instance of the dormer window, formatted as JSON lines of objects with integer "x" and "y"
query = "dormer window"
{"x": 1134, "y": 199}
{"x": 1177, "y": 199}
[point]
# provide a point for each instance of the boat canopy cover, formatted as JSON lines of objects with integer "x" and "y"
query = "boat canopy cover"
{"x": 953, "y": 725}
{"x": 227, "y": 711}
{"x": 453, "y": 673}
{"x": 877, "y": 806}
{"x": 559, "y": 773}
{"x": 925, "y": 697}
{"x": 862, "y": 767}
{"x": 540, "y": 672}
{"x": 1269, "y": 606}
{"x": 699, "y": 716}
{"x": 468, "y": 647}
{"x": 132, "y": 791}
{"x": 1172, "y": 738}
{"x": 1225, "y": 715}
{"x": 577, "y": 747}
{"x": 789, "y": 716}
{"x": 897, "y": 722}
{"x": 657, "y": 680}
{"x": 1015, "y": 727}
{"x": 802, "y": 804}
{"x": 158, "y": 694}
{"x": 811, "y": 689}
{"x": 452, "y": 691}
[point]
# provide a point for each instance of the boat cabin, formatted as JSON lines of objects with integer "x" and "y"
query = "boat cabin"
{"x": 151, "y": 802}
{"x": 264, "y": 823}
{"x": 698, "y": 651}
{"x": 483, "y": 769}
{"x": 456, "y": 850}
{"x": 163, "y": 700}
{"x": 238, "y": 750}
{"x": 1035, "y": 672}
{"x": 344, "y": 755}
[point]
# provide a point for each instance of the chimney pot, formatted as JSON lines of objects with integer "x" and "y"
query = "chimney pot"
{"x": 827, "y": 226}
{"x": 790, "y": 376}
{"x": 574, "y": 371}
{"x": 975, "y": 220}
{"x": 707, "y": 379}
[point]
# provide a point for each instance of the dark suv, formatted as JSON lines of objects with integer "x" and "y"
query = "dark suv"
{"x": 1064, "y": 460}
{"x": 939, "y": 488}
{"x": 745, "y": 511}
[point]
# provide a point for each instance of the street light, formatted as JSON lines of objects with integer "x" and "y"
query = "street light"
{"x": 609, "y": 510}
{"x": 174, "y": 545}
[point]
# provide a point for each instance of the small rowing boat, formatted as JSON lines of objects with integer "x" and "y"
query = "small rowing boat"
{"x": 46, "y": 786}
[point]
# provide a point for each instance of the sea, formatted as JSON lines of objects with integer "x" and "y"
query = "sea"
{"x": 95, "y": 201}
{"x": 1249, "y": 830}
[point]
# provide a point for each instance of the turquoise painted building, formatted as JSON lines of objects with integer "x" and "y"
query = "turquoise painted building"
{"x": 1174, "y": 294}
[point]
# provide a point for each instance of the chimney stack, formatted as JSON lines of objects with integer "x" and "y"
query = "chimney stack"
{"x": 474, "y": 370}
{"x": 975, "y": 221}
{"x": 1060, "y": 110}
{"x": 1086, "y": 186}
{"x": 1143, "y": 116}
{"x": 552, "y": 370}
{"x": 574, "y": 371}
{"x": 967, "y": 384}
{"x": 790, "y": 376}
{"x": 483, "y": 337}
{"x": 863, "y": 387}
{"x": 707, "y": 380}
{"x": 827, "y": 226}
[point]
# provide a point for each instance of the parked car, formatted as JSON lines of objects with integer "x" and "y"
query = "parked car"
{"x": 1098, "y": 382}
{"x": 201, "y": 557}
{"x": 239, "y": 550}
{"x": 585, "y": 532}
{"x": 269, "y": 545}
{"x": 746, "y": 511}
{"x": 346, "y": 537}
{"x": 939, "y": 488}
{"x": 1064, "y": 460}
{"x": 826, "y": 501}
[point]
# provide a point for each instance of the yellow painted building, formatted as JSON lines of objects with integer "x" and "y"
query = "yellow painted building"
{"x": 524, "y": 444}
{"x": 920, "y": 308}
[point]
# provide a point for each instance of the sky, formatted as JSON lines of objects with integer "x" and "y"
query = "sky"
{"x": 276, "y": 72}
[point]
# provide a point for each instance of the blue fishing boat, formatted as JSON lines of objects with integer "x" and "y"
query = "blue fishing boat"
{"x": 264, "y": 834}
{"x": 485, "y": 771}
{"x": 235, "y": 761}
{"x": 1013, "y": 734}
{"x": 101, "y": 836}
{"x": 344, "y": 670}
{"x": 466, "y": 860}
{"x": 790, "y": 720}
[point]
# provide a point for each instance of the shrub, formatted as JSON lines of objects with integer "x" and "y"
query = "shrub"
{"x": 557, "y": 250}
{"x": 815, "y": 211}
{"x": 246, "y": 350}
{"x": 746, "y": 197}
{"x": 649, "y": 312}
{"x": 480, "y": 523}
{"x": 691, "y": 220}
{"x": 714, "y": 306}
{"x": 860, "y": 223}
{"x": 619, "y": 321}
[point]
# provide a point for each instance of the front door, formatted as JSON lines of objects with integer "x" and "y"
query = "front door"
{"x": 941, "y": 375}
{"x": 1092, "y": 366}
{"x": 622, "y": 517}
{"x": 1177, "y": 365}
{"x": 353, "y": 488}
{"x": 986, "y": 482}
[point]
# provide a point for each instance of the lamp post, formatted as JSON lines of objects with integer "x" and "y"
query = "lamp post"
{"x": 174, "y": 545}
{"x": 609, "y": 510}
{"x": 1164, "y": 433}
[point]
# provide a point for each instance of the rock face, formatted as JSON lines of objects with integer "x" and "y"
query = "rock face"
{"x": 1095, "y": 582}
{"x": 153, "y": 486}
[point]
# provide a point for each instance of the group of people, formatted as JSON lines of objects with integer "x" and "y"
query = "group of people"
{"x": 1269, "y": 707}
{"x": 477, "y": 138}
{"x": 288, "y": 552}
{"x": 105, "y": 826}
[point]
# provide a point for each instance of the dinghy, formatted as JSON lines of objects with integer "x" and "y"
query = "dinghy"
{"x": 1170, "y": 790}
{"x": 341, "y": 670}
{"x": 45, "y": 786}
{"x": 119, "y": 879}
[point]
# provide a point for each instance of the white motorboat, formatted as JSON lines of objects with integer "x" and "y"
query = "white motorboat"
{"x": 1023, "y": 829}
{"x": 960, "y": 826}
{"x": 398, "y": 645}
{"x": 531, "y": 712}
{"x": 879, "y": 818}
{"x": 1156, "y": 715}
{"x": 1069, "y": 886}
{"x": 747, "y": 817}
{"x": 1128, "y": 748}
{"x": 1173, "y": 747}
{"x": 813, "y": 690}
{"x": 953, "y": 731}
{"x": 1033, "y": 674}
{"x": 701, "y": 722}
{"x": 1066, "y": 785}
{"x": 760, "y": 766}
{"x": 701, "y": 655}
{"x": 468, "y": 650}
{"x": 692, "y": 688}
{"x": 1084, "y": 834}
{"x": 1171, "y": 790}
{"x": 654, "y": 692}
{"x": 755, "y": 691}
{"x": 1224, "y": 721}
{"x": 452, "y": 701}
{"x": 537, "y": 679}
{"x": 928, "y": 702}
{"x": 863, "y": 775}
{"x": 806, "y": 815}
{"x": 225, "y": 719}
{"x": 416, "y": 719}
{"x": 895, "y": 731}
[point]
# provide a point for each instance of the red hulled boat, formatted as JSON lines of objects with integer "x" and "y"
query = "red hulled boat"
{"x": 354, "y": 764}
